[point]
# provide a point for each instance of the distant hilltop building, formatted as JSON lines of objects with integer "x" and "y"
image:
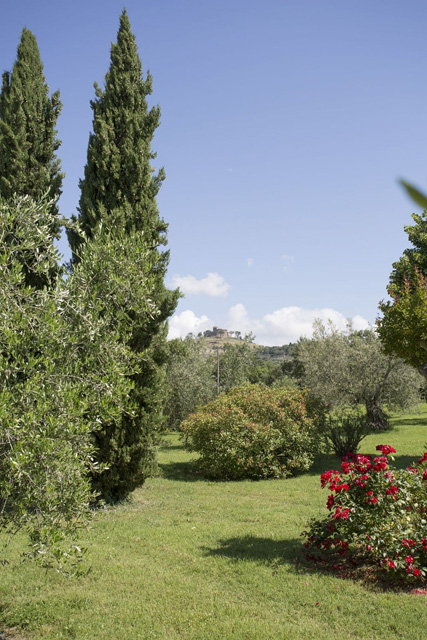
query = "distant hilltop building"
{"x": 221, "y": 333}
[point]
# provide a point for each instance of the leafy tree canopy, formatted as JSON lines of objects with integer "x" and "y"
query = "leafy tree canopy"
{"x": 64, "y": 370}
{"x": 350, "y": 368}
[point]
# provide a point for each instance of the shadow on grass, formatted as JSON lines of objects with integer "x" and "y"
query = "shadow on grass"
{"x": 263, "y": 550}
{"x": 188, "y": 471}
{"x": 419, "y": 421}
{"x": 165, "y": 446}
{"x": 291, "y": 552}
{"x": 181, "y": 471}
{"x": 324, "y": 462}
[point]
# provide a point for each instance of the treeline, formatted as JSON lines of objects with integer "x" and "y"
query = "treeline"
{"x": 82, "y": 348}
{"x": 343, "y": 371}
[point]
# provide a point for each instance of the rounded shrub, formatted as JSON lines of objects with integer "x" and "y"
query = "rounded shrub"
{"x": 252, "y": 432}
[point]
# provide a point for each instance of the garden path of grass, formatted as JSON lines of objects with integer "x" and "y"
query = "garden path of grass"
{"x": 189, "y": 559}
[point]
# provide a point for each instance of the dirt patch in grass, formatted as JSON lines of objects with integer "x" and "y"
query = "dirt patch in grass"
{"x": 11, "y": 634}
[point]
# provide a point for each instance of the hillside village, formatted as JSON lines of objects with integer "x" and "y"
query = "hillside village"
{"x": 216, "y": 338}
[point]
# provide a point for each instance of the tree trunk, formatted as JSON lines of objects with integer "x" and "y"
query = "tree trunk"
{"x": 376, "y": 416}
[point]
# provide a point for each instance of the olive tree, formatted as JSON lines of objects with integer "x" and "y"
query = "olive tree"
{"x": 65, "y": 370}
{"x": 189, "y": 379}
{"x": 350, "y": 368}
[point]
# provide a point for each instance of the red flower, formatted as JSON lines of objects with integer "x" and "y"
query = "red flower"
{"x": 380, "y": 463}
{"x": 340, "y": 487}
{"x": 341, "y": 513}
{"x": 326, "y": 477}
{"x": 385, "y": 449}
{"x": 391, "y": 491}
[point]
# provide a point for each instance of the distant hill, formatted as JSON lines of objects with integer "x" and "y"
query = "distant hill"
{"x": 212, "y": 343}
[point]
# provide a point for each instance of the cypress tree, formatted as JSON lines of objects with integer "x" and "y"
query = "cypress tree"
{"x": 28, "y": 142}
{"x": 119, "y": 191}
{"x": 118, "y": 174}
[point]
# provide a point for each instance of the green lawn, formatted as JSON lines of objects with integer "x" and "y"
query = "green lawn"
{"x": 190, "y": 559}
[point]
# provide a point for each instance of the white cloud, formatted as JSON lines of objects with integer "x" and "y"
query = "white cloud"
{"x": 180, "y": 325}
{"x": 250, "y": 261}
{"x": 287, "y": 324}
{"x": 359, "y": 323}
{"x": 213, "y": 285}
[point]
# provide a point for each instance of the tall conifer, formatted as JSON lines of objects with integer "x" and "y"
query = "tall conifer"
{"x": 28, "y": 142}
{"x": 119, "y": 191}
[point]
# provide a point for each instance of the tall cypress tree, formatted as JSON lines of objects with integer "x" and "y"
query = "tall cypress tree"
{"x": 119, "y": 191}
{"x": 28, "y": 142}
{"x": 118, "y": 174}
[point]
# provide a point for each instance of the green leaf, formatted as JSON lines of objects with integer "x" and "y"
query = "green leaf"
{"x": 414, "y": 194}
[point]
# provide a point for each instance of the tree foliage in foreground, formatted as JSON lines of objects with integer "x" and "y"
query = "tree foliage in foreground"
{"x": 64, "y": 370}
{"x": 350, "y": 368}
{"x": 119, "y": 192}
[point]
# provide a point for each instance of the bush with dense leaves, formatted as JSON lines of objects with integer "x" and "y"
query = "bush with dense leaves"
{"x": 64, "y": 371}
{"x": 379, "y": 511}
{"x": 252, "y": 432}
{"x": 343, "y": 430}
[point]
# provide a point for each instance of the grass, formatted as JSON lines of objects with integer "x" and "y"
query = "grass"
{"x": 190, "y": 559}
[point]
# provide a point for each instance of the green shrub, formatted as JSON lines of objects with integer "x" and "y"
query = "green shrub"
{"x": 252, "y": 432}
{"x": 344, "y": 430}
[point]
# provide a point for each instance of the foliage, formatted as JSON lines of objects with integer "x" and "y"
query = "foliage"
{"x": 415, "y": 194}
{"x": 268, "y": 372}
{"x": 61, "y": 374}
{"x": 414, "y": 258}
{"x": 119, "y": 184}
{"x": 252, "y": 432}
{"x": 378, "y": 509}
{"x": 350, "y": 368}
{"x": 114, "y": 281}
{"x": 28, "y": 142}
{"x": 236, "y": 363}
{"x": 119, "y": 192}
{"x": 242, "y": 362}
{"x": 344, "y": 429}
{"x": 402, "y": 327}
{"x": 189, "y": 380}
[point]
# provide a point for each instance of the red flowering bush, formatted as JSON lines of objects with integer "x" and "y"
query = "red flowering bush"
{"x": 379, "y": 510}
{"x": 252, "y": 432}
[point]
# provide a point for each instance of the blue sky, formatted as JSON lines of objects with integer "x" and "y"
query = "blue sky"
{"x": 285, "y": 126}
